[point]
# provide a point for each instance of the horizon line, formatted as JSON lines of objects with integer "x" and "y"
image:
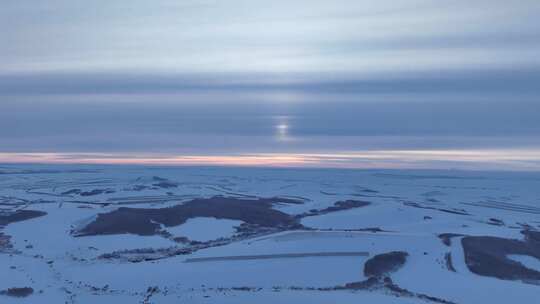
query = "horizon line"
{"x": 458, "y": 159}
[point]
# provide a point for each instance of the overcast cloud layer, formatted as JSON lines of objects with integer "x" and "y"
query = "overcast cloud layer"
{"x": 250, "y": 77}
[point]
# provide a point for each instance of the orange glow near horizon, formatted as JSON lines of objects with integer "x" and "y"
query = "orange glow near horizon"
{"x": 528, "y": 160}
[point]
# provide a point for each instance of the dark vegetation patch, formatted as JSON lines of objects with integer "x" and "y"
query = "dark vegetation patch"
{"x": 402, "y": 292}
{"x": 163, "y": 183}
{"x": 495, "y": 222}
{"x": 4, "y": 242}
{"x": 18, "y": 292}
{"x": 384, "y": 264}
{"x": 11, "y": 202}
{"x": 487, "y": 256}
{"x": 452, "y": 211}
{"x": 385, "y": 285}
{"x": 144, "y": 221}
{"x": 88, "y": 193}
{"x": 96, "y": 192}
{"x": 338, "y": 206}
{"x": 18, "y": 216}
{"x": 378, "y": 270}
{"x": 374, "y": 195}
{"x": 150, "y": 291}
{"x": 531, "y": 236}
{"x": 525, "y": 226}
{"x": 12, "y": 217}
{"x": 446, "y": 238}
{"x": 368, "y": 229}
{"x": 448, "y": 262}
{"x": 328, "y": 193}
{"x": 152, "y": 254}
{"x": 138, "y": 188}
{"x": 370, "y": 283}
{"x": 88, "y": 203}
{"x": 370, "y": 191}
{"x": 250, "y": 230}
{"x": 166, "y": 185}
{"x": 433, "y": 193}
{"x": 71, "y": 192}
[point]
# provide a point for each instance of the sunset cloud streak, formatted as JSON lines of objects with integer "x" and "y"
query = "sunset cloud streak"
{"x": 522, "y": 160}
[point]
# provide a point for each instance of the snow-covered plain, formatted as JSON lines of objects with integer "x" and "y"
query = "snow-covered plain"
{"x": 197, "y": 228}
{"x": 407, "y": 211}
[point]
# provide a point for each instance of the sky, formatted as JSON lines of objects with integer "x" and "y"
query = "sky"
{"x": 352, "y": 84}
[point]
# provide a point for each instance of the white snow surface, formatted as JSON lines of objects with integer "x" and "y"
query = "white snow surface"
{"x": 527, "y": 261}
{"x": 62, "y": 267}
{"x": 205, "y": 228}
